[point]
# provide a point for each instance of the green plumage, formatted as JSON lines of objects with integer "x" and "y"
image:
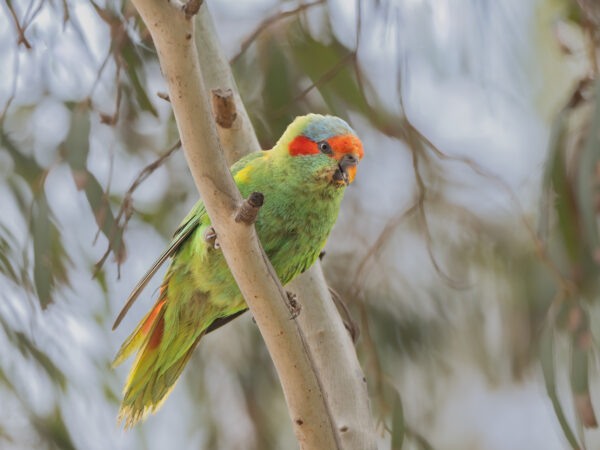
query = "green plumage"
{"x": 199, "y": 293}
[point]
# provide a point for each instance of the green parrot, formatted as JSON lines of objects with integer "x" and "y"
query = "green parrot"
{"x": 303, "y": 179}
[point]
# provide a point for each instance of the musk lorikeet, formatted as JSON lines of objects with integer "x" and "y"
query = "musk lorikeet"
{"x": 303, "y": 179}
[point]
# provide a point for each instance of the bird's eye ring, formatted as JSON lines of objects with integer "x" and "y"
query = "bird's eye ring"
{"x": 324, "y": 147}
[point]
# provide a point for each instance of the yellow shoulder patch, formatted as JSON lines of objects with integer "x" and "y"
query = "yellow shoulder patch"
{"x": 243, "y": 176}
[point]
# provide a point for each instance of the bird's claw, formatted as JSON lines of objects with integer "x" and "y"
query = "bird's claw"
{"x": 294, "y": 305}
{"x": 210, "y": 236}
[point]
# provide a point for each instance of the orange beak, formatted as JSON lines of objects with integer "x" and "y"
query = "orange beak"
{"x": 351, "y": 173}
{"x": 346, "y": 169}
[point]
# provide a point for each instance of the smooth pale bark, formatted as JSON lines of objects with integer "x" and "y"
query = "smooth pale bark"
{"x": 320, "y": 404}
{"x": 334, "y": 356}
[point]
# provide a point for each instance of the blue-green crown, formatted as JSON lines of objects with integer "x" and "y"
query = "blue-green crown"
{"x": 320, "y": 128}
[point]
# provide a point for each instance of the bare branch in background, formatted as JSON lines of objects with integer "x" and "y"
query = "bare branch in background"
{"x": 28, "y": 20}
{"x": 20, "y": 28}
{"x": 114, "y": 118}
{"x": 423, "y": 218}
{"x": 13, "y": 89}
{"x": 319, "y": 82}
{"x": 539, "y": 245}
{"x": 350, "y": 324}
{"x": 373, "y": 251}
{"x": 126, "y": 210}
{"x": 99, "y": 73}
{"x": 268, "y": 22}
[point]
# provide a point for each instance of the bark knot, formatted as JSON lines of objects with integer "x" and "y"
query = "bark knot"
{"x": 191, "y": 8}
{"x": 248, "y": 212}
{"x": 224, "y": 108}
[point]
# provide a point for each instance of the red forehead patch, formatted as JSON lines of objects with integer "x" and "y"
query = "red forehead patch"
{"x": 348, "y": 143}
{"x": 301, "y": 145}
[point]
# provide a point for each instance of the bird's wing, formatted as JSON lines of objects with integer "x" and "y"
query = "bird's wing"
{"x": 186, "y": 228}
{"x": 188, "y": 225}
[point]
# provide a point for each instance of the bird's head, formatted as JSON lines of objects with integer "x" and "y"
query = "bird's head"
{"x": 327, "y": 144}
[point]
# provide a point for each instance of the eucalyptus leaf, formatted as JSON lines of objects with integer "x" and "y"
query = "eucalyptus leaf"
{"x": 398, "y": 426}
{"x": 547, "y": 360}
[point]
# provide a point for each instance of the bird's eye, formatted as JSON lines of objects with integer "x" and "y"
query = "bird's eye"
{"x": 324, "y": 147}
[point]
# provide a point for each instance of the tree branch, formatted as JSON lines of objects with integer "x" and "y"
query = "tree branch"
{"x": 311, "y": 397}
{"x": 322, "y": 328}
{"x": 270, "y": 21}
{"x": 239, "y": 139}
{"x": 249, "y": 265}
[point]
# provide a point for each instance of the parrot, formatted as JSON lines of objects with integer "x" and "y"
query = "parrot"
{"x": 303, "y": 179}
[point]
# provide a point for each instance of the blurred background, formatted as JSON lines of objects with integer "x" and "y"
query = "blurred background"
{"x": 467, "y": 249}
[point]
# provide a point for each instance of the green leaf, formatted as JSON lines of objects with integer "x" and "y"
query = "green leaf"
{"x": 27, "y": 348}
{"x": 133, "y": 65}
{"x": 30, "y": 350}
{"x": 278, "y": 86}
{"x": 566, "y": 206}
{"x": 8, "y": 257}
{"x": 398, "y": 426}
{"x": 4, "y": 435}
{"x": 77, "y": 142}
{"x": 42, "y": 268}
{"x": 25, "y": 166}
{"x": 586, "y": 190}
{"x": 547, "y": 360}
{"x": 50, "y": 258}
{"x": 6, "y": 382}
{"x": 52, "y": 429}
{"x": 103, "y": 215}
{"x": 317, "y": 60}
{"x": 76, "y": 147}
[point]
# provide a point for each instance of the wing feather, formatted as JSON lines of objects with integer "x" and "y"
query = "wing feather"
{"x": 184, "y": 231}
{"x": 188, "y": 225}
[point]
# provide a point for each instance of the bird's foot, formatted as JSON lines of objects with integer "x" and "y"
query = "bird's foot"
{"x": 294, "y": 305}
{"x": 210, "y": 236}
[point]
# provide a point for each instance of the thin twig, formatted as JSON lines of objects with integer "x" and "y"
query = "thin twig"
{"x": 320, "y": 81}
{"x": 350, "y": 324}
{"x": 13, "y": 91}
{"x": 98, "y": 75}
{"x": 127, "y": 209}
{"x": 20, "y": 30}
{"x": 28, "y": 21}
{"x": 114, "y": 118}
{"x": 66, "y": 14}
{"x": 374, "y": 250}
{"x": 423, "y": 217}
{"x": 268, "y": 22}
{"x": 539, "y": 245}
{"x": 106, "y": 194}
